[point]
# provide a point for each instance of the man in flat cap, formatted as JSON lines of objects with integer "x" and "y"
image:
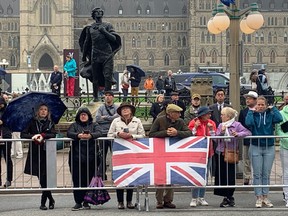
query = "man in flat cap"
{"x": 170, "y": 125}
{"x": 175, "y": 100}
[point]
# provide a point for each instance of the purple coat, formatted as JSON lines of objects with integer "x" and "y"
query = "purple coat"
{"x": 233, "y": 143}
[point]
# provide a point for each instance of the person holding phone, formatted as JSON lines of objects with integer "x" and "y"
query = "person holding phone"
{"x": 83, "y": 154}
{"x": 126, "y": 126}
{"x": 262, "y": 150}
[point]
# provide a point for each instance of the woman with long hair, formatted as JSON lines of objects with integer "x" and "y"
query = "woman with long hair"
{"x": 39, "y": 129}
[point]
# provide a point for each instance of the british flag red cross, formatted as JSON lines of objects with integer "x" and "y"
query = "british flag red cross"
{"x": 160, "y": 161}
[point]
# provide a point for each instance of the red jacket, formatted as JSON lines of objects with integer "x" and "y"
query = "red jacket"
{"x": 203, "y": 130}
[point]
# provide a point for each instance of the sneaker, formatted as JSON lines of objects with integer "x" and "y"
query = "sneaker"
{"x": 258, "y": 203}
{"x": 159, "y": 205}
{"x": 267, "y": 203}
{"x": 121, "y": 205}
{"x": 130, "y": 205}
{"x": 284, "y": 197}
{"x": 77, "y": 207}
{"x": 169, "y": 205}
{"x": 7, "y": 184}
{"x": 201, "y": 201}
{"x": 193, "y": 202}
{"x": 224, "y": 203}
{"x": 86, "y": 206}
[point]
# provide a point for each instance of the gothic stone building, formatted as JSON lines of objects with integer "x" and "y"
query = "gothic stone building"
{"x": 156, "y": 34}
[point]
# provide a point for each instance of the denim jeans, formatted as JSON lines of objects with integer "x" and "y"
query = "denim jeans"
{"x": 284, "y": 163}
{"x": 262, "y": 158}
{"x": 200, "y": 192}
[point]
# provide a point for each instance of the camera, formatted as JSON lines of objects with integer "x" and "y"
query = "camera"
{"x": 126, "y": 130}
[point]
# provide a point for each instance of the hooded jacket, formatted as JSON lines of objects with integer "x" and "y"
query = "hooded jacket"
{"x": 280, "y": 132}
{"x": 262, "y": 123}
{"x": 83, "y": 150}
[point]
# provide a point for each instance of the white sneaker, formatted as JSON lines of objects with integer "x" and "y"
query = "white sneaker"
{"x": 267, "y": 203}
{"x": 286, "y": 204}
{"x": 193, "y": 202}
{"x": 202, "y": 201}
{"x": 258, "y": 203}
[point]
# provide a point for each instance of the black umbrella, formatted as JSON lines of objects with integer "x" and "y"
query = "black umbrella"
{"x": 22, "y": 109}
{"x": 137, "y": 69}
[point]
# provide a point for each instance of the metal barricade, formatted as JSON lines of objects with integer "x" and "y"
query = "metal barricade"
{"x": 59, "y": 174}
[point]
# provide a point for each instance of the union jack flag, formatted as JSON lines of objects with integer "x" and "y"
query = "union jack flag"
{"x": 160, "y": 161}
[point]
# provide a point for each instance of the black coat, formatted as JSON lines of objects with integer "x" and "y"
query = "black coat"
{"x": 37, "y": 153}
{"x": 83, "y": 150}
{"x": 156, "y": 108}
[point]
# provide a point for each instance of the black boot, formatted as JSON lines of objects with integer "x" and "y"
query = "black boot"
{"x": 51, "y": 203}
{"x": 43, "y": 201}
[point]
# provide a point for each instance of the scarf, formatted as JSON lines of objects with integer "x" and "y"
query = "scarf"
{"x": 227, "y": 124}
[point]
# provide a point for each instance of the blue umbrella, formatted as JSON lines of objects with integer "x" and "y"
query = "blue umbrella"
{"x": 2, "y": 72}
{"x": 136, "y": 68}
{"x": 228, "y": 2}
{"x": 22, "y": 109}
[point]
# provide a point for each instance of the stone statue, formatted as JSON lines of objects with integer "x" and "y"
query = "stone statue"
{"x": 99, "y": 43}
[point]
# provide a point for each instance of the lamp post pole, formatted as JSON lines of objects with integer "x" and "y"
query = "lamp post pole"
{"x": 222, "y": 18}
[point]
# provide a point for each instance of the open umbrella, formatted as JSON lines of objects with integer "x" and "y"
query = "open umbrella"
{"x": 22, "y": 109}
{"x": 2, "y": 72}
{"x": 136, "y": 68}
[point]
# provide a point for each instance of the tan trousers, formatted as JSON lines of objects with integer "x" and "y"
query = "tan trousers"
{"x": 168, "y": 197}
{"x": 134, "y": 93}
{"x": 246, "y": 163}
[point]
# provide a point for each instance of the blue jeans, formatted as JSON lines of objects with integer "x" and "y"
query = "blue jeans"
{"x": 200, "y": 192}
{"x": 262, "y": 158}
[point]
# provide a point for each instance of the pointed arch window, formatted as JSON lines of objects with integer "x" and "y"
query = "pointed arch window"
{"x": 154, "y": 41}
{"x": 133, "y": 42}
{"x": 269, "y": 38}
{"x": 135, "y": 58}
{"x": 45, "y": 12}
{"x": 120, "y": 10}
{"x": 285, "y": 38}
{"x": 262, "y": 38}
{"x": 149, "y": 42}
{"x": 164, "y": 44}
{"x": 202, "y": 56}
{"x": 139, "y": 10}
{"x": 256, "y": 38}
{"x": 138, "y": 42}
{"x": 179, "y": 42}
{"x": 275, "y": 38}
{"x": 169, "y": 41}
{"x": 166, "y": 10}
{"x": 182, "y": 60}
{"x": 148, "y": 10}
{"x": 184, "y": 41}
{"x": 213, "y": 38}
{"x": 260, "y": 57}
{"x": 10, "y": 42}
{"x": 202, "y": 37}
{"x": 166, "y": 60}
{"x": 246, "y": 56}
{"x": 208, "y": 37}
{"x": 214, "y": 56}
{"x": 184, "y": 9}
{"x": 13, "y": 61}
{"x": 272, "y": 57}
{"x": 151, "y": 59}
{"x": 249, "y": 39}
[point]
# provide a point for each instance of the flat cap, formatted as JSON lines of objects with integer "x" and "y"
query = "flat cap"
{"x": 173, "y": 108}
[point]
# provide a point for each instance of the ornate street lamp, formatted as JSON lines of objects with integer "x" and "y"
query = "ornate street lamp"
{"x": 231, "y": 15}
{"x": 4, "y": 63}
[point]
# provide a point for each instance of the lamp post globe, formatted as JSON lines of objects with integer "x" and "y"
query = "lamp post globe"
{"x": 221, "y": 21}
{"x": 244, "y": 27}
{"x": 211, "y": 27}
{"x": 255, "y": 20}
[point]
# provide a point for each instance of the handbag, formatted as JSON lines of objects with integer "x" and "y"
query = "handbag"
{"x": 98, "y": 196}
{"x": 231, "y": 156}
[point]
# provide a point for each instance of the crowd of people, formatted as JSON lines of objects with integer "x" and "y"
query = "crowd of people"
{"x": 171, "y": 118}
